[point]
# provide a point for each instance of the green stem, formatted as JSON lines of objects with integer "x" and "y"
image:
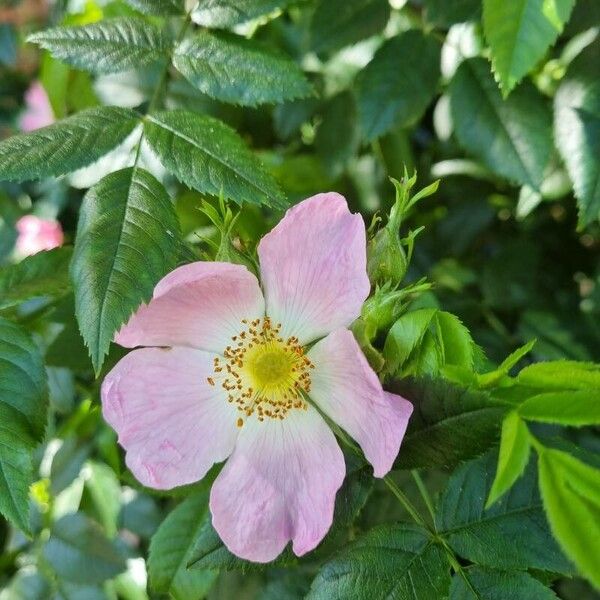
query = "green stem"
{"x": 424, "y": 494}
{"x": 406, "y": 503}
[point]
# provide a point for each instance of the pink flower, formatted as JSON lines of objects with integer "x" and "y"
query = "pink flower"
{"x": 35, "y": 235}
{"x": 228, "y": 373}
{"x": 38, "y": 112}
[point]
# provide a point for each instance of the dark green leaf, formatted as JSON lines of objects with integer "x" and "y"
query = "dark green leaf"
{"x": 159, "y": 8}
{"x": 43, "y": 274}
{"x": 444, "y": 13}
{"x": 65, "y": 146}
{"x": 450, "y": 423}
{"x": 127, "y": 240}
{"x": 225, "y": 13}
{"x": 171, "y": 548}
{"x": 79, "y": 552}
{"x": 519, "y": 33}
{"x": 478, "y": 583}
{"x": 399, "y": 83}
{"x": 575, "y": 408}
{"x": 512, "y": 137}
{"x": 338, "y": 23}
{"x": 393, "y": 561}
{"x": 234, "y": 69}
{"x": 108, "y": 46}
{"x": 206, "y": 154}
{"x": 512, "y": 534}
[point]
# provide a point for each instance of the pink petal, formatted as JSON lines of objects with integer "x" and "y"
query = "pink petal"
{"x": 38, "y": 112}
{"x": 173, "y": 425}
{"x": 349, "y": 392}
{"x": 313, "y": 268}
{"x": 200, "y": 305}
{"x": 35, "y": 235}
{"x": 278, "y": 485}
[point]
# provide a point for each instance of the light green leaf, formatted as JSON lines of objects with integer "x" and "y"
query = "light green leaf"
{"x": 209, "y": 156}
{"x": 225, "y": 13}
{"x": 493, "y": 377}
{"x": 571, "y": 493}
{"x": 561, "y": 375}
{"x": 519, "y": 33}
{"x": 512, "y": 534}
{"x": 159, "y": 8}
{"x": 23, "y": 405}
{"x": 105, "y": 493}
{"x": 456, "y": 342}
{"x": 108, "y": 46}
{"x": 43, "y": 274}
{"x": 513, "y": 456}
{"x": 339, "y": 23}
{"x": 397, "y": 86}
{"x": 128, "y": 239}
{"x": 78, "y": 551}
{"x": 393, "y": 561}
{"x": 574, "y": 408}
{"x": 478, "y": 583}
{"x": 66, "y": 146}
{"x": 512, "y": 137}
{"x": 170, "y": 551}
{"x": 234, "y": 69}
{"x": 577, "y": 130}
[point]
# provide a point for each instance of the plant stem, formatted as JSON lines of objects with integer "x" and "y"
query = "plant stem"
{"x": 406, "y": 503}
{"x": 424, "y": 494}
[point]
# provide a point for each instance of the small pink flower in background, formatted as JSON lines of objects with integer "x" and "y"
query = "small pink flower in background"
{"x": 38, "y": 111}
{"x": 35, "y": 235}
{"x": 229, "y": 372}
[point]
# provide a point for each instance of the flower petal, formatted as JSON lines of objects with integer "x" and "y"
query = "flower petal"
{"x": 172, "y": 423}
{"x": 349, "y": 392}
{"x": 313, "y": 268}
{"x": 199, "y": 305}
{"x": 278, "y": 485}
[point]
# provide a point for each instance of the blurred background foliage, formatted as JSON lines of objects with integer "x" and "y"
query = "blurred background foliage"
{"x": 510, "y": 240}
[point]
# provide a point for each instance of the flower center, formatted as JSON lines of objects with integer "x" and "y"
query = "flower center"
{"x": 263, "y": 373}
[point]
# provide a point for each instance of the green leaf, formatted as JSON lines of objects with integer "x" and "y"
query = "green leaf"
{"x": 479, "y": 583}
{"x": 396, "y": 93}
{"x": 571, "y": 493}
{"x": 225, "y": 13}
{"x": 339, "y": 23}
{"x": 561, "y": 375}
{"x": 66, "y": 146}
{"x": 513, "y": 455}
{"x": 171, "y": 547}
{"x": 513, "y": 534}
{"x": 105, "y": 493}
{"x": 575, "y": 408}
{"x": 23, "y": 405}
{"x": 493, "y": 377}
{"x": 159, "y": 8}
{"x": 519, "y": 33}
{"x": 43, "y": 274}
{"x": 512, "y": 137}
{"x": 234, "y": 69}
{"x": 444, "y": 14}
{"x": 127, "y": 240}
{"x": 109, "y": 46}
{"x": 209, "y": 156}
{"x": 449, "y": 424}
{"x": 455, "y": 341}
{"x": 393, "y": 561}
{"x": 577, "y": 130}
{"x": 79, "y": 552}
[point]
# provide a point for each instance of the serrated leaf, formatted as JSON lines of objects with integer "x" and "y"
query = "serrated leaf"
{"x": 394, "y": 561}
{"x": 67, "y": 145}
{"x": 449, "y": 424}
{"x": 108, "y": 46}
{"x": 455, "y": 341}
{"x": 519, "y": 32}
{"x": 171, "y": 548}
{"x": 574, "y": 408}
{"x": 23, "y": 405}
{"x": 396, "y": 87}
{"x": 513, "y": 455}
{"x": 127, "y": 240}
{"x": 478, "y": 583}
{"x": 512, "y": 534}
{"x": 159, "y": 8}
{"x": 43, "y": 274}
{"x": 225, "y": 13}
{"x": 78, "y": 551}
{"x": 209, "y": 156}
{"x": 339, "y": 23}
{"x": 561, "y": 375}
{"x": 493, "y": 377}
{"x": 234, "y": 69}
{"x": 577, "y": 130}
{"x": 571, "y": 493}
{"x": 512, "y": 137}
